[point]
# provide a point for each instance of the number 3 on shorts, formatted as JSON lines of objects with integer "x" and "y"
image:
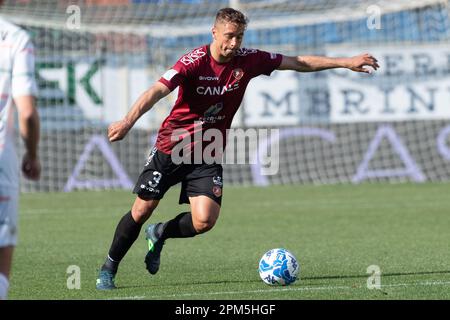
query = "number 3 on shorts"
{"x": 156, "y": 178}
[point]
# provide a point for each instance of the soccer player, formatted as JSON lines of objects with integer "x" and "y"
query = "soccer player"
{"x": 212, "y": 80}
{"x": 17, "y": 87}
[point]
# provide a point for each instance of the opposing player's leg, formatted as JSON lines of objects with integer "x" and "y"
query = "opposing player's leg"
{"x": 6, "y": 254}
{"x": 9, "y": 198}
{"x": 204, "y": 195}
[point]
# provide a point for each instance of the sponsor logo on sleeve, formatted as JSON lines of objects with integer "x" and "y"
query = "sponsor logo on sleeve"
{"x": 169, "y": 74}
{"x": 192, "y": 56}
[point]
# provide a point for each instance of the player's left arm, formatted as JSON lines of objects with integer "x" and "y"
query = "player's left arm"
{"x": 357, "y": 63}
{"x": 24, "y": 93}
{"x": 29, "y": 130}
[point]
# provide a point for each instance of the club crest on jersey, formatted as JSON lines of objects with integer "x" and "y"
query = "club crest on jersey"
{"x": 238, "y": 74}
{"x": 217, "y": 191}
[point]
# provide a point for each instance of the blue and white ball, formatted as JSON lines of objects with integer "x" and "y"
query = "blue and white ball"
{"x": 278, "y": 267}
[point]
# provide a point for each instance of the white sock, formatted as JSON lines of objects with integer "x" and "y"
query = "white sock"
{"x": 4, "y": 285}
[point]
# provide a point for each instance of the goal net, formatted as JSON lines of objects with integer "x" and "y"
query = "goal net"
{"x": 94, "y": 58}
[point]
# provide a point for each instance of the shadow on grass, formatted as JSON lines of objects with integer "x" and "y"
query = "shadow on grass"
{"x": 248, "y": 281}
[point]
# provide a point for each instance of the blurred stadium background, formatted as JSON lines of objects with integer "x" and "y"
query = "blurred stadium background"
{"x": 94, "y": 58}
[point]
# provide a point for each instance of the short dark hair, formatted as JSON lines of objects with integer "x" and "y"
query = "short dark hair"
{"x": 231, "y": 15}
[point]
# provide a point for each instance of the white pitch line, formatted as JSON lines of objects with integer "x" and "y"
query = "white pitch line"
{"x": 426, "y": 283}
{"x": 128, "y": 298}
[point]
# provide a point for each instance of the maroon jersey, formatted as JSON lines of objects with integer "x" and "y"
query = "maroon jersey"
{"x": 210, "y": 93}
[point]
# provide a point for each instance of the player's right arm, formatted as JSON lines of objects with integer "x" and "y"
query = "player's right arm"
{"x": 118, "y": 130}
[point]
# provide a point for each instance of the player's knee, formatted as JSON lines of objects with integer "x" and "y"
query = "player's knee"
{"x": 141, "y": 216}
{"x": 203, "y": 226}
{"x": 204, "y": 214}
{"x": 142, "y": 210}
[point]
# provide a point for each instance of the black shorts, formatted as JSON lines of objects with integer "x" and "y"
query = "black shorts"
{"x": 160, "y": 173}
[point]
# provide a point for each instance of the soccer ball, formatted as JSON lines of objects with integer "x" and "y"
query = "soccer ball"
{"x": 278, "y": 267}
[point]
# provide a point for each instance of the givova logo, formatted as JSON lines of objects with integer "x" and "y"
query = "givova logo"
{"x": 208, "y": 78}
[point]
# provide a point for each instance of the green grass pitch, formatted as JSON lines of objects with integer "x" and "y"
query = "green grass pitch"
{"x": 336, "y": 232}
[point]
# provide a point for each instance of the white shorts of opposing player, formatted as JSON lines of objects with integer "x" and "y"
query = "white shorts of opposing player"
{"x": 8, "y": 227}
{"x": 4, "y": 286}
{"x": 8, "y": 216}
